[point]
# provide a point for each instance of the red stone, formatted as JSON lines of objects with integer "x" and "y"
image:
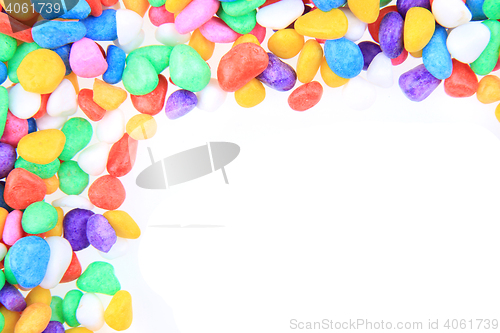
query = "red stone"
{"x": 160, "y": 15}
{"x": 305, "y": 96}
{"x": 15, "y": 129}
{"x": 259, "y": 32}
{"x": 12, "y": 27}
{"x": 74, "y": 270}
{"x": 22, "y": 188}
{"x": 95, "y": 7}
{"x": 122, "y": 156}
{"x": 88, "y": 106}
{"x": 462, "y": 82}
{"x": 107, "y": 192}
{"x": 374, "y": 27}
{"x": 43, "y": 108}
{"x": 240, "y": 65}
{"x": 109, "y": 3}
{"x": 400, "y": 59}
{"x": 153, "y": 102}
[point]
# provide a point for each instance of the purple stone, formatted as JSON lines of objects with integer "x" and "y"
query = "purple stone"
{"x": 8, "y": 158}
{"x": 75, "y": 228}
{"x": 12, "y": 298}
{"x": 391, "y": 35}
{"x": 278, "y": 74}
{"x": 54, "y": 327}
{"x": 369, "y": 50}
{"x": 179, "y": 103}
{"x": 405, "y": 5}
{"x": 100, "y": 233}
{"x": 417, "y": 84}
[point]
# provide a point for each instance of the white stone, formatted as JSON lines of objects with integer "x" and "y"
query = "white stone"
{"x": 466, "y": 42}
{"x": 451, "y": 13}
{"x": 3, "y": 251}
{"x": 359, "y": 94}
{"x": 61, "y": 254}
{"x": 93, "y": 159}
{"x": 73, "y": 201}
{"x": 62, "y": 102}
{"x": 211, "y": 97}
{"x": 280, "y": 14}
{"x": 380, "y": 71}
{"x": 111, "y": 127}
{"x": 120, "y": 248}
{"x": 23, "y": 104}
{"x": 128, "y": 25}
{"x": 48, "y": 122}
{"x": 90, "y": 312}
{"x": 355, "y": 27}
{"x": 135, "y": 43}
{"x": 168, "y": 35}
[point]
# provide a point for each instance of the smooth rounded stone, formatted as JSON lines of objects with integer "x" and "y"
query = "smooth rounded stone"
{"x": 55, "y": 326}
{"x": 466, "y": 42}
{"x": 86, "y": 59}
{"x": 391, "y": 35}
{"x": 158, "y": 56}
{"x": 135, "y": 43}
{"x": 419, "y": 27}
{"x": 4, "y": 109}
{"x": 366, "y": 10}
{"x": 70, "y": 307}
{"x": 405, "y": 5}
{"x": 359, "y": 94}
{"x": 41, "y": 71}
{"x": 108, "y": 96}
{"x": 72, "y": 179}
{"x": 278, "y": 75}
{"x": 75, "y": 228}
{"x": 73, "y": 201}
{"x": 436, "y": 58}
{"x": 153, "y": 102}
{"x": 11, "y": 298}
{"x": 417, "y": 84}
{"x": 281, "y": 14}
{"x": 80, "y": 11}
{"x": 489, "y": 57}
{"x": 93, "y": 159}
{"x": 32, "y": 125}
{"x": 56, "y": 304}
{"x": 78, "y": 132}
{"x": 344, "y": 57}
{"x": 324, "y": 25}
{"x": 122, "y": 156}
{"x": 119, "y": 249}
{"x": 3, "y": 251}
{"x": 463, "y": 81}
{"x": 160, "y": 15}
{"x": 13, "y": 229}
{"x": 99, "y": 277}
{"x": 107, "y": 192}
{"x": 63, "y": 53}
{"x": 217, "y": 31}
{"x": 115, "y": 57}
{"x": 241, "y": 7}
{"x": 128, "y": 25}
{"x": 103, "y": 27}
{"x": 195, "y": 14}
{"x": 8, "y": 158}
{"x": 476, "y": 9}
{"x": 9, "y": 46}
{"x": 47, "y": 122}
{"x": 22, "y": 188}
{"x": 188, "y": 70}
{"x": 356, "y": 27}
{"x": 23, "y": 104}
{"x": 34, "y": 318}
{"x": 369, "y": 50}
{"x": 9, "y": 276}
{"x": 100, "y": 233}
{"x": 14, "y": 129}
{"x": 306, "y": 96}
{"x": 29, "y": 258}
{"x": 19, "y": 55}
{"x": 179, "y": 103}
{"x": 241, "y": 24}
{"x": 4, "y": 74}
{"x": 90, "y": 312}
{"x": 112, "y": 126}
{"x": 380, "y": 71}
{"x": 2, "y": 200}
{"x": 327, "y": 5}
{"x": 41, "y": 147}
{"x": 141, "y": 127}
{"x": 39, "y": 217}
{"x": 43, "y": 171}
{"x": 451, "y": 13}
{"x": 62, "y": 102}
{"x": 140, "y": 77}
{"x": 211, "y": 97}
{"x": 168, "y": 35}
{"x": 119, "y": 314}
{"x": 61, "y": 253}
{"x": 54, "y": 34}
{"x": 123, "y": 223}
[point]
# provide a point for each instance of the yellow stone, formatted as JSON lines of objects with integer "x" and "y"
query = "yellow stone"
{"x": 3, "y": 218}
{"x": 34, "y": 318}
{"x": 417, "y": 54}
{"x": 79, "y": 330}
{"x": 248, "y": 38}
{"x": 39, "y": 295}
{"x": 42, "y": 147}
{"x": 175, "y": 6}
{"x": 74, "y": 80}
{"x": 58, "y": 229}
{"x": 418, "y": 29}
{"x": 285, "y": 43}
{"x": 323, "y": 25}
{"x": 11, "y": 319}
{"x": 331, "y": 79}
{"x": 138, "y": 6}
{"x": 141, "y": 127}
{"x": 488, "y": 90}
{"x": 123, "y": 224}
{"x": 118, "y": 314}
{"x": 310, "y": 59}
{"x": 203, "y": 46}
{"x": 41, "y": 71}
{"x": 52, "y": 184}
{"x": 365, "y": 10}
{"x": 251, "y": 94}
{"x": 107, "y": 96}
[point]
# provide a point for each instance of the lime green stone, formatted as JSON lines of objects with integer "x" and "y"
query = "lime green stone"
{"x": 140, "y": 76}
{"x": 72, "y": 179}
{"x": 188, "y": 70}
{"x": 241, "y": 7}
{"x": 78, "y": 132}
{"x": 489, "y": 58}
{"x": 99, "y": 277}
{"x": 15, "y": 61}
{"x": 158, "y": 56}
{"x": 43, "y": 171}
{"x": 241, "y": 24}
{"x": 157, "y": 3}
{"x": 70, "y": 305}
{"x": 56, "y": 304}
{"x": 8, "y": 47}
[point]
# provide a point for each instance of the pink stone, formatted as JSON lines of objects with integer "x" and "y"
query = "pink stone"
{"x": 259, "y": 32}
{"x": 217, "y": 31}
{"x": 13, "y": 229}
{"x": 86, "y": 59}
{"x": 15, "y": 129}
{"x": 195, "y": 15}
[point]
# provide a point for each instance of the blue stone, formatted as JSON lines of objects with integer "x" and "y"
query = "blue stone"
{"x": 3, "y": 72}
{"x": 32, "y": 125}
{"x": 327, "y": 5}
{"x": 63, "y": 52}
{"x": 103, "y": 27}
{"x": 78, "y": 12}
{"x": 115, "y": 58}
{"x": 2, "y": 200}
{"x": 344, "y": 57}
{"x": 29, "y": 257}
{"x": 54, "y": 34}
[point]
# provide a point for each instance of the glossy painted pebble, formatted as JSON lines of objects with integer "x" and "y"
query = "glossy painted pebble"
{"x": 99, "y": 277}
{"x": 75, "y": 228}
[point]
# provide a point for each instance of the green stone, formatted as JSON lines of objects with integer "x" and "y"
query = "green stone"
{"x": 70, "y": 304}
{"x": 140, "y": 76}
{"x": 4, "y": 108}
{"x": 9, "y": 276}
{"x": 384, "y": 3}
{"x": 188, "y": 70}
{"x": 241, "y": 7}
{"x": 2, "y": 282}
{"x": 56, "y": 304}
{"x": 157, "y": 3}
{"x": 8, "y": 46}
{"x": 43, "y": 171}
{"x": 15, "y": 61}
{"x": 491, "y": 9}
{"x": 39, "y": 217}
{"x": 489, "y": 58}
{"x": 99, "y": 277}
{"x": 158, "y": 56}
{"x": 72, "y": 179}
{"x": 78, "y": 132}
{"x": 241, "y": 24}
{"x": 2, "y": 322}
